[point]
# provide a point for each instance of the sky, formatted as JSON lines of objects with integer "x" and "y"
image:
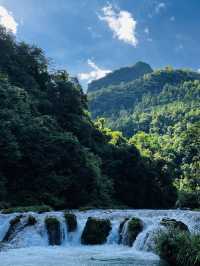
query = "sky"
{"x": 90, "y": 38}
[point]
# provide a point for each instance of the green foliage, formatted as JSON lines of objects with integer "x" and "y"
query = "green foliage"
{"x": 172, "y": 223}
{"x": 160, "y": 114}
{"x": 179, "y": 248}
{"x": 114, "y": 102}
{"x": 39, "y": 209}
{"x": 47, "y": 139}
{"x": 188, "y": 199}
{"x": 51, "y": 153}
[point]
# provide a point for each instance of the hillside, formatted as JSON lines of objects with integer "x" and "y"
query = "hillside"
{"x": 124, "y": 75}
{"x": 52, "y": 153}
{"x": 160, "y": 114}
{"x": 111, "y": 100}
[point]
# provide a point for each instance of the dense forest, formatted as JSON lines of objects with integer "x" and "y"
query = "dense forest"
{"x": 159, "y": 113}
{"x": 51, "y": 152}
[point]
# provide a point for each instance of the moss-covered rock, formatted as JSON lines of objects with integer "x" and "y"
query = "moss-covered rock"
{"x": 120, "y": 231}
{"x": 31, "y": 220}
{"x": 178, "y": 248}
{"x": 96, "y": 231}
{"x": 12, "y": 228}
{"x": 134, "y": 227}
{"x": 71, "y": 221}
{"x": 53, "y": 230}
{"x": 175, "y": 224}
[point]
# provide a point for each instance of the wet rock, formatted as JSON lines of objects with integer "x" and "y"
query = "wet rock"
{"x": 120, "y": 231}
{"x": 134, "y": 227}
{"x": 31, "y": 220}
{"x": 12, "y": 228}
{"x": 71, "y": 221}
{"x": 175, "y": 224}
{"x": 53, "y": 230}
{"x": 96, "y": 231}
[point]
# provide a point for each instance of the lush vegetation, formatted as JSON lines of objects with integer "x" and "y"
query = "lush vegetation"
{"x": 159, "y": 114}
{"x": 51, "y": 153}
{"x": 124, "y": 74}
{"x": 178, "y": 247}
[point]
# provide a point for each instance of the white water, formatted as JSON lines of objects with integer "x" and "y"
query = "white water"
{"x": 29, "y": 246}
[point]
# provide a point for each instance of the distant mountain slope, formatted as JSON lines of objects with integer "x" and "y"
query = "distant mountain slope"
{"x": 160, "y": 114}
{"x": 112, "y": 100}
{"x": 124, "y": 74}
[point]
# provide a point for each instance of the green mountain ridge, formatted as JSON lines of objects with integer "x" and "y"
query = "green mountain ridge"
{"x": 160, "y": 114}
{"x": 124, "y": 74}
{"x": 110, "y": 100}
{"x": 52, "y": 153}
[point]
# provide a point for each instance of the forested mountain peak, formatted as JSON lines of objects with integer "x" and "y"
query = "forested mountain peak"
{"x": 111, "y": 100}
{"x": 52, "y": 153}
{"x": 160, "y": 114}
{"x": 124, "y": 74}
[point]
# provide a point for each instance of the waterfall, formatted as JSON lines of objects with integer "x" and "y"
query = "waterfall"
{"x": 36, "y": 234}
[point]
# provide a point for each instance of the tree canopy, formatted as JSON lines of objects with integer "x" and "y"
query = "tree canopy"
{"x": 51, "y": 152}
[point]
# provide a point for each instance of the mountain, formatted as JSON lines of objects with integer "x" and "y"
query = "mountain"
{"x": 111, "y": 100}
{"x": 160, "y": 114}
{"x": 124, "y": 75}
{"x": 52, "y": 153}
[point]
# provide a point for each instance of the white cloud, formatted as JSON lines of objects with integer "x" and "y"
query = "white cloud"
{"x": 7, "y": 20}
{"x": 96, "y": 73}
{"x": 159, "y": 7}
{"x": 122, "y": 24}
{"x": 198, "y": 70}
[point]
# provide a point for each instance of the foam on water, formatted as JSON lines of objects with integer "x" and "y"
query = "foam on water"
{"x": 79, "y": 256}
{"x": 33, "y": 249}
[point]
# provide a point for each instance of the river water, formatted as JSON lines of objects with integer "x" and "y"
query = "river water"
{"x": 30, "y": 247}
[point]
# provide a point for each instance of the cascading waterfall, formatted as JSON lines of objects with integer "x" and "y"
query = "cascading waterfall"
{"x": 36, "y": 234}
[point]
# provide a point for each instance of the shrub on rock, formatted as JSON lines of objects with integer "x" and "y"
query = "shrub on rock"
{"x": 96, "y": 231}
{"x": 178, "y": 248}
{"x": 53, "y": 230}
{"x": 71, "y": 221}
{"x": 174, "y": 224}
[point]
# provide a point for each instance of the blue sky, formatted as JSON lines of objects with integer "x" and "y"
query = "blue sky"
{"x": 89, "y": 38}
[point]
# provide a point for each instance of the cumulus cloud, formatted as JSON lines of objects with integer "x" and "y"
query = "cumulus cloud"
{"x": 121, "y": 23}
{"x": 159, "y": 7}
{"x": 96, "y": 72}
{"x": 7, "y": 20}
